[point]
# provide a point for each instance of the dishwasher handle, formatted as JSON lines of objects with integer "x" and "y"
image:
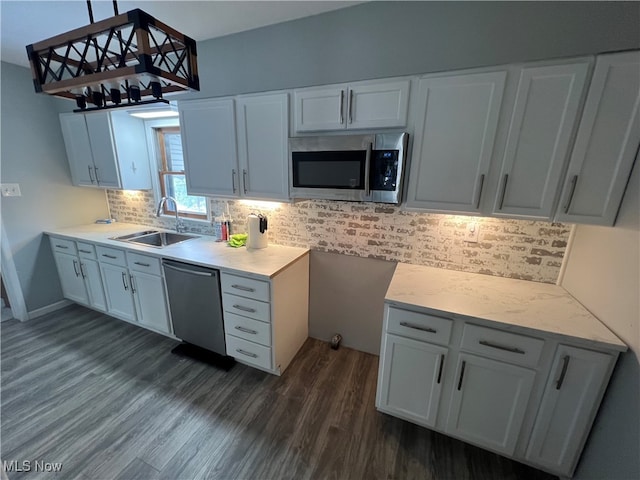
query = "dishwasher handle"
{"x": 186, "y": 270}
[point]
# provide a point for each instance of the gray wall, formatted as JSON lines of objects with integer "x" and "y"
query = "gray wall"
{"x": 347, "y": 297}
{"x": 603, "y": 273}
{"x": 33, "y": 156}
{"x": 385, "y": 39}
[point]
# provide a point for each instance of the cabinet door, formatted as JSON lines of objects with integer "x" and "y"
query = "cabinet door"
{"x": 606, "y": 143}
{"x": 489, "y": 402}
{"x": 455, "y": 133}
{"x": 103, "y": 149}
{"x": 263, "y": 132}
{"x": 569, "y": 404}
{"x": 118, "y": 291}
{"x": 93, "y": 281}
{"x": 318, "y": 109}
{"x": 379, "y": 105}
{"x": 71, "y": 278}
{"x": 544, "y": 116}
{"x": 151, "y": 301}
{"x": 208, "y": 131}
{"x": 411, "y": 379}
{"x": 130, "y": 151}
{"x": 76, "y": 141}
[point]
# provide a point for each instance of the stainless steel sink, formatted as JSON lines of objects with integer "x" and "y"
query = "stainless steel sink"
{"x": 154, "y": 238}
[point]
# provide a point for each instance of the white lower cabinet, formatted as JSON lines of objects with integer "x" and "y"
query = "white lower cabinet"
{"x": 93, "y": 281}
{"x": 71, "y": 280}
{"x": 266, "y": 321}
{"x": 411, "y": 379}
{"x": 519, "y": 394}
{"x": 572, "y": 394}
{"x": 150, "y": 301}
{"x": 118, "y": 291}
{"x": 489, "y": 402}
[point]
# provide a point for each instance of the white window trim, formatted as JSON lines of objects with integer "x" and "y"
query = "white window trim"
{"x": 150, "y": 125}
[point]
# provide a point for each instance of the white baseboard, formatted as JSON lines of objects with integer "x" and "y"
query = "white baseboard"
{"x": 39, "y": 312}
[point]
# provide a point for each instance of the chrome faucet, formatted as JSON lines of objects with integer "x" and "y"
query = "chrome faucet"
{"x": 180, "y": 226}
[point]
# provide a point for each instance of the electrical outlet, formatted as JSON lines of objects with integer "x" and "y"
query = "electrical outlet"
{"x": 473, "y": 230}
{"x": 10, "y": 190}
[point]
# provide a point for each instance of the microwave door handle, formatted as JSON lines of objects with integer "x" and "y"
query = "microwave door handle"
{"x": 367, "y": 170}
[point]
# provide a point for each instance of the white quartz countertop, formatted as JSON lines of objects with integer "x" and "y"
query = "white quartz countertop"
{"x": 519, "y": 303}
{"x": 204, "y": 250}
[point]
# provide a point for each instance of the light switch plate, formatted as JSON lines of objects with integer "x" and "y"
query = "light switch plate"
{"x": 10, "y": 190}
{"x": 473, "y": 230}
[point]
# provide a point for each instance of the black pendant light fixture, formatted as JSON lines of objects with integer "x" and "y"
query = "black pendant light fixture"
{"x": 128, "y": 59}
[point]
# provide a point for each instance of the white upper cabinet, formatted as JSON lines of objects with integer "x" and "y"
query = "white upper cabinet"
{"x": 237, "y": 147}
{"x": 541, "y": 124}
{"x": 454, "y": 139}
{"x": 208, "y": 132}
{"x": 381, "y": 104}
{"x": 606, "y": 143}
{"x": 318, "y": 109}
{"x": 107, "y": 150}
{"x": 575, "y": 387}
{"x": 263, "y": 132}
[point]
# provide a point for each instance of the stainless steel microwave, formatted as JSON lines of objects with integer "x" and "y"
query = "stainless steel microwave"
{"x": 360, "y": 168}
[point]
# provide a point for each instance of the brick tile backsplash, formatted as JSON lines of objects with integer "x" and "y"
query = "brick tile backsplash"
{"x": 522, "y": 249}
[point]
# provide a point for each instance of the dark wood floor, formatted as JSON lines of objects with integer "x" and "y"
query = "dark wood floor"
{"x": 109, "y": 401}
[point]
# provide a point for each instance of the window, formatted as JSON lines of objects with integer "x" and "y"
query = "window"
{"x": 172, "y": 180}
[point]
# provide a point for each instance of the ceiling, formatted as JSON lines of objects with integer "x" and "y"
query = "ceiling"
{"x": 25, "y": 22}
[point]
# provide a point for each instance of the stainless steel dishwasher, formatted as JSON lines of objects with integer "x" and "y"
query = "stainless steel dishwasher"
{"x": 195, "y": 304}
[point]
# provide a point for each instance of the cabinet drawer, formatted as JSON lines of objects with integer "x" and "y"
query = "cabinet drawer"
{"x": 248, "y": 352}
{"x": 419, "y": 326}
{"x": 501, "y": 345}
{"x": 246, "y": 307}
{"x": 111, "y": 255}
{"x": 245, "y": 287}
{"x": 247, "y": 328}
{"x": 86, "y": 250}
{"x": 63, "y": 246}
{"x": 144, "y": 263}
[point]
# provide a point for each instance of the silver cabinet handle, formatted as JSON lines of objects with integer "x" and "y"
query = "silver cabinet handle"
{"x": 440, "y": 369}
{"x": 233, "y": 180}
{"x": 350, "y": 106}
{"x": 480, "y": 191}
{"x": 84, "y": 251}
{"x": 464, "y": 363}
{"x": 367, "y": 170}
{"x": 62, "y": 246}
{"x": 418, "y": 327}
{"x": 574, "y": 181}
{"x": 501, "y": 347}
{"x": 133, "y": 287}
{"x": 82, "y": 270}
{"x": 340, "y": 116}
{"x": 75, "y": 267}
{"x": 243, "y": 288}
{"x": 504, "y": 190}
{"x": 245, "y": 309}
{"x": 90, "y": 176}
{"x": 565, "y": 364}
{"x": 246, "y": 330}
{"x": 248, "y": 354}
{"x": 142, "y": 264}
{"x": 113, "y": 257}
{"x": 244, "y": 180}
{"x": 95, "y": 170}
{"x": 124, "y": 281}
